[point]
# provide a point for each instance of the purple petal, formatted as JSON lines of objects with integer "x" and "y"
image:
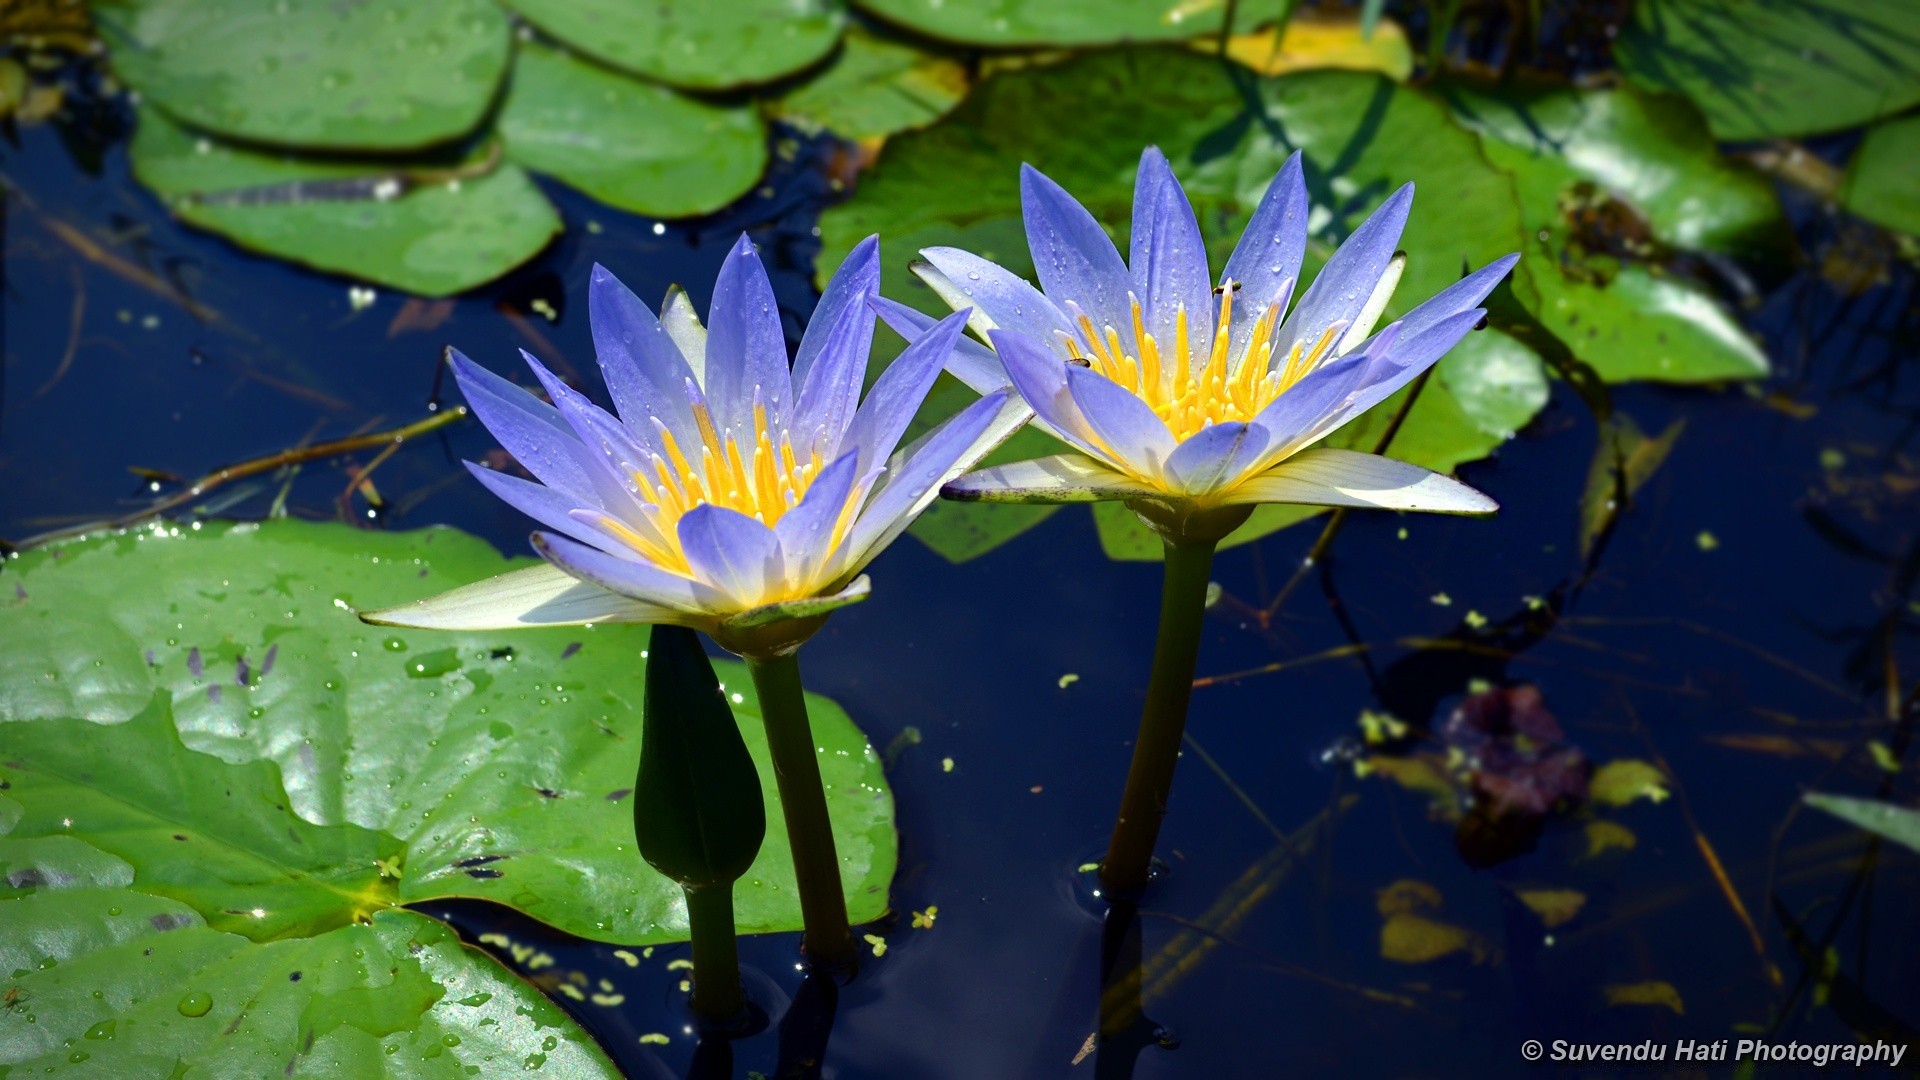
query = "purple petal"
{"x": 851, "y": 286}
{"x": 941, "y": 455}
{"x": 527, "y": 428}
{"x": 830, "y": 391}
{"x": 607, "y": 450}
{"x": 805, "y": 530}
{"x": 1216, "y": 456}
{"x": 997, "y": 296}
{"x": 1266, "y": 261}
{"x": 1040, "y": 378}
{"x": 1292, "y": 419}
{"x": 1346, "y": 283}
{"x": 972, "y": 363}
{"x": 549, "y": 507}
{"x": 897, "y": 394}
{"x": 643, "y": 368}
{"x": 1400, "y": 358}
{"x": 1072, "y": 254}
{"x": 1168, "y": 260}
{"x": 630, "y": 577}
{"x": 745, "y": 346}
{"x": 731, "y": 551}
{"x": 1132, "y": 437}
{"x": 1455, "y": 298}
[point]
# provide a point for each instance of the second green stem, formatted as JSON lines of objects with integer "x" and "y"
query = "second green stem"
{"x": 803, "y": 803}
{"x": 1163, "y": 722}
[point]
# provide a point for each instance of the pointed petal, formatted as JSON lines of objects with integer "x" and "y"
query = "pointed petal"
{"x": 1460, "y": 296}
{"x": 542, "y": 595}
{"x": 830, "y": 393}
{"x": 1215, "y": 457}
{"x": 1363, "y": 323}
{"x": 1168, "y": 260}
{"x": 1346, "y": 283}
{"x": 644, "y": 370}
{"x": 999, "y": 298}
{"x": 1397, "y": 361}
{"x": 1298, "y": 416}
{"x": 1040, "y": 378}
{"x": 1125, "y": 426}
{"x": 1267, "y": 259}
{"x": 527, "y": 428}
{"x": 1329, "y": 477}
{"x": 972, "y": 363}
{"x": 805, "y": 530}
{"x": 1072, "y": 254}
{"x": 1062, "y": 478}
{"x": 745, "y": 345}
{"x": 731, "y": 551}
{"x": 897, "y": 394}
{"x": 851, "y": 286}
{"x": 633, "y": 578}
{"x": 607, "y": 450}
{"x": 807, "y": 608}
{"x": 915, "y": 475}
{"x": 682, "y": 324}
{"x": 548, "y": 506}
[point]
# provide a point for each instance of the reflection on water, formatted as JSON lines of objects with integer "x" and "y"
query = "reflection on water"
{"x": 1747, "y": 629}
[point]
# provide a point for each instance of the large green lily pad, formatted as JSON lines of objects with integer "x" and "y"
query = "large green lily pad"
{"x": 108, "y": 979}
{"x": 430, "y": 227}
{"x": 324, "y": 769}
{"x": 1616, "y": 187}
{"x": 957, "y": 183}
{"x": 1882, "y": 183}
{"x": 1765, "y": 68}
{"x": 874, "y": 87}
{"x": 1055, "y": 23}
{"x": 372, "y": 75}
{"x": 695, "y": 43}
{"x": 635, "y": 145}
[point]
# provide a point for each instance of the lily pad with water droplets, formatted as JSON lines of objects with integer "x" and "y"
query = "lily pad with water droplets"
{"x": 1053, "y": 23}
{"x": 108, "y": 979}
{"x": 215, "y": 684}
{"x": 697, "y": 44}
{"x": 379, "y": 75}
{"x": 433, "y": 227}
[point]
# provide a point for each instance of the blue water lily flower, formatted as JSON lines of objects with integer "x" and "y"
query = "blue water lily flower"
{"x": 728, "y": 492}
{"x": 1183, "y": 397}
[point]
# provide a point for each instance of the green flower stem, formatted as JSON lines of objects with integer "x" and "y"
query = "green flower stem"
{"x": 803, "y": 802}
{"x": 1183, "y": 603}
{"x": 716, "y": 957}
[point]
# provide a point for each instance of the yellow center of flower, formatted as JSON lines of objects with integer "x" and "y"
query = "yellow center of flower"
{"x": 1218, "y": 391}
{"x": 762, "y": 481}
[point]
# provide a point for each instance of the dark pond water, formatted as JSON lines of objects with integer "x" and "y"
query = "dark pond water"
{"x": 1757, "y": 665}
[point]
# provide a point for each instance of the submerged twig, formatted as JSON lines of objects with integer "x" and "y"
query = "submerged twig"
{"x": 256, "y": 467}
{"x": 73, "y": 334}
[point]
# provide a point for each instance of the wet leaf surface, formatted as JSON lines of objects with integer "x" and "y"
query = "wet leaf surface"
{"x": 874, "y": 87}
{"x": 1002, "y": 23}
{"x": 508, "y": 781}
{"x": 433, "y": 229}
{"x": 1899, "y": 824}
{"x": 1881, "y": 184}
{"x": 380, "y": 75}
{"x": 694, "y": 43}
{"x": 1761, "y": 68}
{"x": 631, "y": 144}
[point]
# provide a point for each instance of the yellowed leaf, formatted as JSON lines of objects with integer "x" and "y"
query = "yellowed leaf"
{"x": 1605, "y": 836}
{"x": 1554, "y": 906}
{"x": 1412, "y": 936}
{"x": 1316, "y": 39}
{"x": 1652, "y": 992}
{"x": 1417, "y": 774}
{"x": 1618, "y": 783}
{"x": 1406, "y": 895}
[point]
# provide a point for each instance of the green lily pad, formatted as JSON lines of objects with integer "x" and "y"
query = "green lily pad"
{"x": 1899, "y": 824}
{"x": 367, "y": 767}
{"x": 376, "y": 75}
{"x": 873, "y": 88}
{"x": 1881, "y": 183}
{"x": 1614, "y": 186}
{"x": 695, "y": 43}
{"x": 109, "y": 979}
{"x": 1058, "y": 23}
{"x": 433, "y": 228}
{"x": 631, "y": 144}
{"x": 1765, "y": 68}
{"x": 957, "y": 183}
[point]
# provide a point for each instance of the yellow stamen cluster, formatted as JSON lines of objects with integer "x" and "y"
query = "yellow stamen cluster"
{"x": 763, "y": 482}
{"x": 1219, "y": 390}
